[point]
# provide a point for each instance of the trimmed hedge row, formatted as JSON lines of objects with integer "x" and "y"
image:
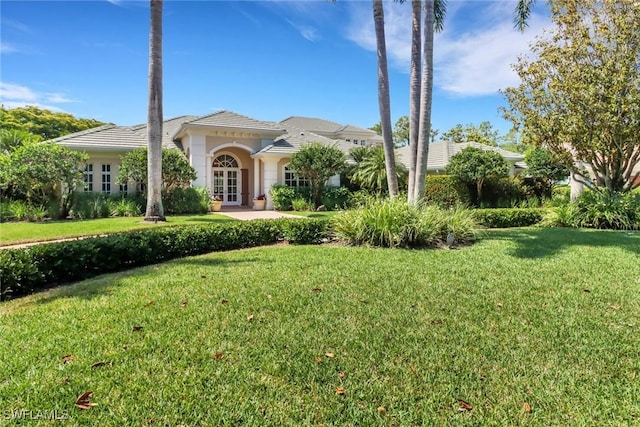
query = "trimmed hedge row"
{"x": 29, "y": 269}
{"x": 508, "y": 217}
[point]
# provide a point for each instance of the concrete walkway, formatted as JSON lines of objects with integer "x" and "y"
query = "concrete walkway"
{"x": 243, "y": 214}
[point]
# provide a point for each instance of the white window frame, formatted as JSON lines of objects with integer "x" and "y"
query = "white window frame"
{"x": 106, "y": 179}
{"x": 293, "y": 181}
{"x": 87, "y": 177}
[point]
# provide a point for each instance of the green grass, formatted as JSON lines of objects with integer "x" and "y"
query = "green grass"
{"x": 311, "y": 214}
{"x": 546, "y": 317}
{"x": 22, "y": 232}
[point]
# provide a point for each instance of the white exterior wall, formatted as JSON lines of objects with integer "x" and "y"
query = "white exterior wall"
{"x": 270, "y": 168}
{"x": 198, "y": 159}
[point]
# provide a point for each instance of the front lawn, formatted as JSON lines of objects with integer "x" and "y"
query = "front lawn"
{"x": 22, "y": 232}
{"x": 526, "y": 327}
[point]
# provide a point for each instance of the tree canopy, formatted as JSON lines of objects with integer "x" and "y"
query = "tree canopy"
{"x": 317, "y": 162}
{"x": 476, "y": 166}
{"x": 484, "y": 133}
{"x": 176, "y": 170}
{"x": 44, "y": 123}
{"x": 370, "y": 173}
{"x": 579, "y": 97}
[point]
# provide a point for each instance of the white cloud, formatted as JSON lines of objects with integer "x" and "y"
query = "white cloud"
{"x": 14, "y": 95}
{"x": 469, "y": 59}
{"x": 7, "y": 48}
{"x": 308, "y": 32}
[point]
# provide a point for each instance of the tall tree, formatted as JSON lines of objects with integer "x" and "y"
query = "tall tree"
{"x": 579, "y": 97}
{"x": 155, "y": 210}
{"x": 384, "y": 102}
{"x": 484, "y": 133}
{"x": 318, "y": 162}
{"x": 44, "y": 123}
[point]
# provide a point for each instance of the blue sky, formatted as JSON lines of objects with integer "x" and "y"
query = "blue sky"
{"x": 267, "y": 60}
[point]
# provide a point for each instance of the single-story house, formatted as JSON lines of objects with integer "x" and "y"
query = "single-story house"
{"x": 236, "y": 157}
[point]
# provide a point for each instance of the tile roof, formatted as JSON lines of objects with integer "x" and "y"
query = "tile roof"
{"x": 441, "y": 152}
{"x": 295, "y": 137}
{"x": 230, "y": 119}
{"x": 320, "y": 125}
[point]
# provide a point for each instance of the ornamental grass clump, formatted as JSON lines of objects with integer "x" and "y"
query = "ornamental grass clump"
{"x": 394, "y": 223}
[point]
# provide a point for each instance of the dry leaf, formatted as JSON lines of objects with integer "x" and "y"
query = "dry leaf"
{"x": 340, "y": 390}
{"x": 615, "y": 307}
{"x": 381, "y": 410}
{"x": 183, "y": 304}
{"x": 224, "y": 301}
{"x": 137, "y": 328}
{"x": 67, "y": 358}
{"x": 250, "y": 318}
{"x": 318, "y": 359}
{"x": 98, "y": 364}
{"x": 317, "y": 289}
{"x": 219, "y": 355}
{"x": 330, "y": 355}
{"x": 342, "y": 375}
{"x": 526, "y": 407}
{"x": 83, "y": 401}
{"x": 544, "y": 305}
{"x": 203, "y": 277}
{"x": 464, "y": 406}
{"x": 413, "y": 370}
{"x": 499, "y": 304}
{"x": 149, "y": 303}
{"x": 65, "y": 380}
{"x": 263, "y": 410}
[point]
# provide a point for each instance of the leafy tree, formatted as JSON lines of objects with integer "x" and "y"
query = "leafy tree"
{"x": 317, "y": 162}
{"x": 401, "y": 132}
{"x": 176, "y": 170}
{"x": 475, "y": 166}
{"x": 579, "y": 97}
{"x": 543, "y": 165}
{"x": 370, "y": 173}
{"x": 45, "y": 123}
{"x": 12, "y": 139}
{"x": 377, "y": 128}
{"x": 484, "y": 133}
{"x": 40, "y": 172}
{"x": 155, "y": 210}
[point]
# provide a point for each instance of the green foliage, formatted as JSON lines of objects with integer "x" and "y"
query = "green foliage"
{"x": 370, "y": 173}
{"x": 335, "y": 197}
{"x": 176, "y": 170}
{"x": 44, "y": 123}
{"x": 484, "y": 133}
{"x": 186, "y": 201}
{"x": 505, "y": 192}
{"x": 446, "y": 191}
{"x": 401, "y": 132}
{"x": 395, "y": 223}
{"x": 125, "y": 207}
{"x": 29, "y": 269}
{"x": 610, "y": 210}
{"x": 509, "y": 217}
{"x": 317, "y": 162}
{"x": 41, "y": 171}
{"x": 12, "y": 139}
{"x": 475, "y": 166}
{"x": 282, "y": 197}
{"x": 301, "y": 204}
{"x": 578, "y": 97}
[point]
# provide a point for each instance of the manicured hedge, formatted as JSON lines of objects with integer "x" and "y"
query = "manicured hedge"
{"x": 508, "y": 217}
{"x": 29, "y": 269}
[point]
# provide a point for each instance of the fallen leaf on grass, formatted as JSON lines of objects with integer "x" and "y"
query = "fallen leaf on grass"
{"x": 615, "y": 307}
{"x": 330, "y": 355}
{"x": 381, "y": 410}
{"x": 224, "y": 301}
{"x": 219, "y": 355}
{"x": 250, "y": 318}
{"x": 183, "y": 304}
{"x": 317, "y": 289}
{"x": 340, "y": 391}
{"x": 499, "y": 304}
{"x": 203, "y": 277}
{"x": 318, "y": 359}
{"x": 586, "y": 291}
{"x": 526, "y": 407}
{"x": 67, "y": 358}
{"x": 83, "y": 401}
{"x": 413, "y": 370}
{"x": 149, "y": 303}
{"x": 65, "y": 380}
{"x": 137, "y": 328}
{"x": 101, "y": 363}
{"x": 464, "y": 406}
{"x": 342, "y": 375}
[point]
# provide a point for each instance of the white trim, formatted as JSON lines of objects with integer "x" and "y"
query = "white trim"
{"x": 214, "y": 150}
{"x": 238, "y": 170}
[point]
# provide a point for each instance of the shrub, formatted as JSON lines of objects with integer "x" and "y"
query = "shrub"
{"x": 335, "y": 197}
{"x": 300, "y": 204}
{"x": 186, "y": 201}
{"x": 125, "y": 207}
{"x": 504, "y": 193}
{"x": 28, "y": 269}
{"x": 18, "y": 210}
{"x": 446, "y": 191}
{"x": 606, "y": 209}
{"x": 282, "y": 197}
{"x": 508, "y": 217}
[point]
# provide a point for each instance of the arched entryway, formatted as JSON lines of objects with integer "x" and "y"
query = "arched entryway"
{"x": 226, "y": 179}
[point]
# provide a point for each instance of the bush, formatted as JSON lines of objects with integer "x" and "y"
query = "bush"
{"x": 300, "y": 204}
{"x": 394, "y": 223}
{"x": 504, "y": 193}
{"x": 282, "y": 197}
{"x": 606, "y": 209}
{"x": 508, "y": 217}
{"x": 335, "y": 198}
{"x": 35, "y": 267}
{"x": 446, "y": 191}
{"x": 189, "y": 200}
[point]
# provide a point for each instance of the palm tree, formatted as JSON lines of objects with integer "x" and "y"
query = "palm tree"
{"x": 371, "y": 172}
{"x": 383, "y": 99}
{"x": 414, "y": 94}
{"x": 155, "y": 210}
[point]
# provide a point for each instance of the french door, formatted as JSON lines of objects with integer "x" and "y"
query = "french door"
{"x": 225, "y": 180}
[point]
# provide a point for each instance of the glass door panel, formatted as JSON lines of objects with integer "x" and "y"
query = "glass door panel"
{"x": 232, "y": 186}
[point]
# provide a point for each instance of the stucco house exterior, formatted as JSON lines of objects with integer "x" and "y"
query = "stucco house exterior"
{"x": 236, "y": 157}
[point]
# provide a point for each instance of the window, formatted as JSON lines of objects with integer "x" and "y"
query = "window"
{"x": 363, "y": 142}
{"x": 292, "y": 180}
{"x": 87, "y": 177}
{"x": 124, "y": 188}
{"x": 348, "y": 140}
{"x": 106, "y": 178}
{"x": 225, "y": 161}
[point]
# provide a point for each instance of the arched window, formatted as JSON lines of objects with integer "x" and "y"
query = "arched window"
{"x": 293, "y": 180}
{"x": 225, "y": 161}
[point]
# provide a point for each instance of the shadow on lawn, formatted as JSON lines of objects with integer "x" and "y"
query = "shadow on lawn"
{"x": 105, "y": 284}
{"x": 546, "y": 242}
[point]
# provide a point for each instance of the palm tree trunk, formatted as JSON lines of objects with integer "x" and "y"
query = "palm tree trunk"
{"x": 426, "y": 101}
{"x": 155, "y": 210}
{"x": 414, "y": 94}
{"x": 383, "y": 99}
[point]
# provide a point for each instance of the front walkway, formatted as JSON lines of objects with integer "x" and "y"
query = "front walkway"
{"x": 246, "y": 214}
